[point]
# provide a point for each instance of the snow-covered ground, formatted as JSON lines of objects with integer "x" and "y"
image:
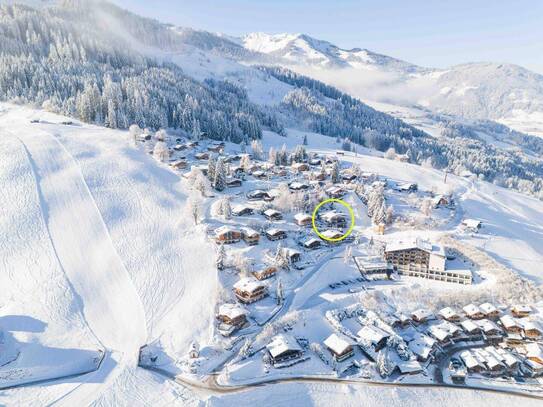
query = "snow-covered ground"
{"x": 98, "y": 252}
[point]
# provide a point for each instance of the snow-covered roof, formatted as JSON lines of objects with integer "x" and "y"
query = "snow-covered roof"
{"x": 521, "y": 308}
{"x": 281, "y": 344}
{"x": 448, "y": 313}
{"x": 331, "y": 216}
{"x": 248, "y": 284}
{"x": 472, "y": 309}
{"x": 409, "y": 366}
{"x": 338, "y": 345}
{"x": 422, "y": 345}
{"x": 289, "y": 251}
{"x": 534, "y": 350}
{"x": 372, "y": 334}
{"x": 531, "y": 325}
{"x": 422, "y": 314}
{"x": 271, "y": 212}
{"x": 469, "y": 326}
{"x": 311, "y": 241}
{"x": 231, "y": 311}
{"x": 302, "y": 217}
{"x": 274, "y": 231}
{"x": 509, "y": 322}
{"x": 332, "y": 234}
{"x": 491, "y": 361}
{"x": 469, "y": 359}
{"x": 225, "y": 229}
{"x": 487, "y": 326}
{"x": 416, "y": 243}
{"x": 247, "y": 231}
{"x": 298, "y": 185}
{"x": 488, "y": 308}
{"x": 334, "y": 189}
{"x": 240, "y": 208}
{"x": 472, "y": 223}
{"x": 257, "y": 192}
{"x": 449, "y": 327}
{"x": 438, "y": 333}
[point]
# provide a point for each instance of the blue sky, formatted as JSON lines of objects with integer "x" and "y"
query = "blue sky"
{"x": 429, "y": 33}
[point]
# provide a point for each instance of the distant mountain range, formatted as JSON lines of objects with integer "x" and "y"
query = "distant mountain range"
{"x": 505, "y": 93}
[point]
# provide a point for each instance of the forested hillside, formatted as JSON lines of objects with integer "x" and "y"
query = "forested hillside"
{"x": 99, "y": 63}
{"x": 61, "y": 59}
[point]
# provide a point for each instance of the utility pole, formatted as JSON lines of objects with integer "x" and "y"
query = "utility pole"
{"x": 445, "y": 180}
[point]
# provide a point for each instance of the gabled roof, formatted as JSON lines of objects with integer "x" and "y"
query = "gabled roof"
{"x": 281, "y": 344}
{"x": 338, "y": 345}
{"x": 231, "y": 311}
{"x": 248, "y": 284}
{"x": 469, "y": 359}
{"x": 311, "y": 241}
{"x": 472, "y": 309}
{"x": 422, "y": 314}
{"x": 448, "y": 312}
{"x": 275, "y": 231}
{"x": 438, "y": 333}
{"x": 271, "y": 212}
{"x": 332, "y": 234}
{"x": 302, "y": 216}
{"x": 469, "y": 326}
{"x": 488, "y": 308}
{"x": 487, "y": 326}
{"x": 509, "y": 322}
{"x": 372, "y": 334}
{"x": 225, "y": 229}
{"x": 521, "y": 308}
{"x": 247, "y": 231}
{"x": 330, "y": 216}
{"x": 534, "y": 350}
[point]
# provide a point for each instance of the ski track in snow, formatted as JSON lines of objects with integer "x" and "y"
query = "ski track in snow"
{"x": 111, "y": 305}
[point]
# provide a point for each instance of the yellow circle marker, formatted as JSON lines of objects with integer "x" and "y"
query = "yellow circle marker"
{"x": 314, "y": 216}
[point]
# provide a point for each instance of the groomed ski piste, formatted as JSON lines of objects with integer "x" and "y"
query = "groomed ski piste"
{"x": 99, "y": 257}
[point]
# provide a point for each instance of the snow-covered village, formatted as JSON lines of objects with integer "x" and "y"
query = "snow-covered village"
{"x": 190, "y": 217}
{"x": 405, "y": 297}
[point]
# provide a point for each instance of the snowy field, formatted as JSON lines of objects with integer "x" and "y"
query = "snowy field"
{"x": 98, "y": 253}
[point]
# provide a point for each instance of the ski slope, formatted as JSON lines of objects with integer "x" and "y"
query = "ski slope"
{"x": 112, "y": 227}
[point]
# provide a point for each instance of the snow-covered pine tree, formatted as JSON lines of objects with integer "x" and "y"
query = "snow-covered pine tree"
{"x": 221, "y": 257}
{"x": 226, "y": 208}
{"x": 219, "y": 182}
{"x": 335, "y": 176}
{"x": 134, "y": 131}
{"x": 272, "y": 156}
{"x": 279, "y": 291}
{"x": 211, "y": 164}
{"x": 283, "y": 155}
{"x": 379, "y": 215}
{"x": 258, "y": 151}
{"x": 161, "y": 152}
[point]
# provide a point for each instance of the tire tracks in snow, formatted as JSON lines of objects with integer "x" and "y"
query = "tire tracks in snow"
{"x": 108, "y": 299}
